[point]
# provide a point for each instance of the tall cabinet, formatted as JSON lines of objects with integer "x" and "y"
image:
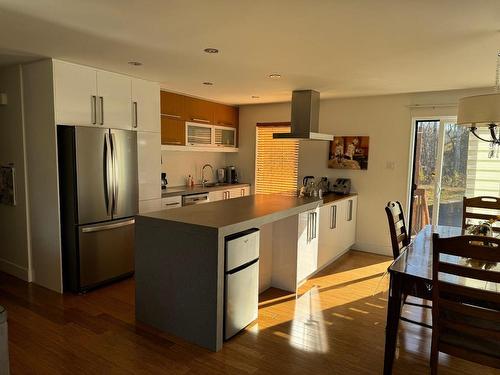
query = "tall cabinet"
{"x": 57, "y": 92}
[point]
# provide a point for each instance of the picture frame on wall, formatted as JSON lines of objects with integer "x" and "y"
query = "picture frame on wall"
{"x": 349, "y": 152}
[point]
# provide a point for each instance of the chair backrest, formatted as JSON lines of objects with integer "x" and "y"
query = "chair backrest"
{"x": 480, "y": 209}
{"x": 460, "y": 309}
{"x": 397, "y": 227}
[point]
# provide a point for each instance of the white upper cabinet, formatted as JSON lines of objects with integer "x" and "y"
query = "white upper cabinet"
{"x": 90, "y": 97}
{"x": 75, "y": 91}
{"x": 145, "y": 105}
{"x": 114, "y": 92}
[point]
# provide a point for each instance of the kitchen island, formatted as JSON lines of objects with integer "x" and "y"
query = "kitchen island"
{"x": 179, "y": 261}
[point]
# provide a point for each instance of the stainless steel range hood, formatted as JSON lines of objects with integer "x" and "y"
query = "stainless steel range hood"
{"x": 305, "y": 118}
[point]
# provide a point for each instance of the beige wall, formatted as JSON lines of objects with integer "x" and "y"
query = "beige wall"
{"x": 387, "y": 120}
{"x": 14, "y": 243}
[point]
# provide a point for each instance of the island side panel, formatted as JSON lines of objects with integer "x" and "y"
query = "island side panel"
{"x": 178, "y": 279}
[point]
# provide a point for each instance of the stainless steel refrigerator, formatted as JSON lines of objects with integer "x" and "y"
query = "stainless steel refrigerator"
{"x": 98, "y": 190}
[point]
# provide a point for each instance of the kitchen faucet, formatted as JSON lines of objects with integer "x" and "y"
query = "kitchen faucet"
{"x": 203, "y": 180}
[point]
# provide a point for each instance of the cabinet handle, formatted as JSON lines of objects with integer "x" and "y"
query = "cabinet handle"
{"x": 136, "y": 123}
{"x": 169, "y": 115}
{"x": 224, "y": 123}
{"x": 315, "y": 220}
{"x": 101, "y": 99}
{"x": 242, "y": 192}
{"x": 93, "y": 105}
{"x": 172, "y": 204}
{"x": 333, "y": 217}
{"x": 349, "y": 213}
{"x": 200, "y": 120}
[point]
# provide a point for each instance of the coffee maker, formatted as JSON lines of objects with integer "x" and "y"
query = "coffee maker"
{"x": 231, "y": 175}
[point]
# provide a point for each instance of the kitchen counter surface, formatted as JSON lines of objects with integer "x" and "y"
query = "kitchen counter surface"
{"x": 221, "y": 214}
{"x": 186, "y": 190}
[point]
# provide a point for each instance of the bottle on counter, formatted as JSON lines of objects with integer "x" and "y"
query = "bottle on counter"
{"x": 189, "y": 181}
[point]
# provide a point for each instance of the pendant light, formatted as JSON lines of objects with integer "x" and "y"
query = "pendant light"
{"x": 483, "y": 111}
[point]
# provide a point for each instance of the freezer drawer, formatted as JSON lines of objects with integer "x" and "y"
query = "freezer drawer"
{"x": 106, "y": 252}
{"x": 242, "y": 248}
{"x": 241, "y": 299}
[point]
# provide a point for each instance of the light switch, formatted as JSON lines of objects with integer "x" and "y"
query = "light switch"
{"x": 3, "y": 98}
{"x": 390, "y": 164}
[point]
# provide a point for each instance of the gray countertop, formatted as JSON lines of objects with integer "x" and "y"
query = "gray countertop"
{"x": 229, "y": 212}
{"x": 186, "y": 190}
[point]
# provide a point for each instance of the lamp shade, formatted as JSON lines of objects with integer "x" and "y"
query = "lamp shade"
{"x": 480, "y": 110}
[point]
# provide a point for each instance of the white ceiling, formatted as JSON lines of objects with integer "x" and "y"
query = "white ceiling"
{"x": 340, "y": 48}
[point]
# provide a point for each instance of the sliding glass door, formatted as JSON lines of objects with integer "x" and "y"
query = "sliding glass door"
{"x": 439, "y": 173}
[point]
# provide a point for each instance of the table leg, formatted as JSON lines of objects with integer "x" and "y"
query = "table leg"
{"x": 393, "y": 315}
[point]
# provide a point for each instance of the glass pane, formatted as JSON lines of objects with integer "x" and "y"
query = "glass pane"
{"x": 424, "y": 177}
{"x": 224, "y": 137}
{"x": 453, "y": 174}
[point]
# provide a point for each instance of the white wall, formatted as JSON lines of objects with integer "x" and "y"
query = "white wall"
{"x": 14, "y": 248}
{"x": 387, "y": 120}
{"x": 179, "y": 164}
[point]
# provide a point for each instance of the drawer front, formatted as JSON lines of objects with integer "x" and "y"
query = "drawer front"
{"x": 242, "y": 250}
{"x": 171, "y": 202}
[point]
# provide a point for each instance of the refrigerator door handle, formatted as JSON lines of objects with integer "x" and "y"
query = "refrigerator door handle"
{"x": 108, "y": 174}
{"x": 115, "y": 174}
{"x": 98, "y": 228}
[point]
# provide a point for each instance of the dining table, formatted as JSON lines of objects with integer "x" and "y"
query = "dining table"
{"x": 411, "y": 274}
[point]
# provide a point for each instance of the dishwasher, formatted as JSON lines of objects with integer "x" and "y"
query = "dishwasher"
{"x": 241, "y": 292}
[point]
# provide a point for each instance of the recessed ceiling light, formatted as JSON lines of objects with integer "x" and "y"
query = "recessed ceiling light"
{"x": 275, "y": 75}
{"x": 208, "y": 83}
{"x": 135, "y": 63}
{"x": 255, "y": 97}
{"x": 211, "y": 50}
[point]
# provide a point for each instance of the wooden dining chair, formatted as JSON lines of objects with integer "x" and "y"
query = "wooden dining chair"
{"x": 399, "y": 240}
{"x": 466, "y": 317}
{"x": 480, "y": 209}
{"x": 397, "y": 227}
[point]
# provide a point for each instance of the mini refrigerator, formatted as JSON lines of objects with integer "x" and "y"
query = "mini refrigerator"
{"x": 241, "y": 292}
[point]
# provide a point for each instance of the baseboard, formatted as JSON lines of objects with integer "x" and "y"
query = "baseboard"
{"x": 14, "y": 269}
{"x": 373, "y": 248}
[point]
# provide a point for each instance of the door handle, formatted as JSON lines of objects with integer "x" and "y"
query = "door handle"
{"x": 349, "y": 213}
{"x": 93, "y": 105}
{"x": 108, "y": 174}
{"x": 98, "y": 228}
{"x": 136, "y": 122}
{"x": 101, "y": 99}
{"x": 200, "y": 120}
{"x": 115, "y": 173}
{"x": 333, "y": 217}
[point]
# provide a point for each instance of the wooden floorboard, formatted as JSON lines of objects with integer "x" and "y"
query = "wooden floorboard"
{"x": 334, "y": 326}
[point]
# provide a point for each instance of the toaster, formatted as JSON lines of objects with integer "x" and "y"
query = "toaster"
{"x": 342, "y": 186}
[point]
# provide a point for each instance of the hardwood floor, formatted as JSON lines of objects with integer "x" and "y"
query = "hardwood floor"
{"x": 335, "y": 326}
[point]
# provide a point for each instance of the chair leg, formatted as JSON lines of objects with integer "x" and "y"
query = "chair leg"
{"x": 434, "y": 358}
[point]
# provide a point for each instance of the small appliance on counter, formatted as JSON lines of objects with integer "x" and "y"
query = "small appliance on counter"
{"x": 342, "y": 186}
{"x": 164, "y": 181}
{"x": 221, "y": 175}
{"x": 231, "y": 175}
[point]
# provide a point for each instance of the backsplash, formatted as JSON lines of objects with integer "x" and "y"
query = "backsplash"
{"x": 179, "y": 164}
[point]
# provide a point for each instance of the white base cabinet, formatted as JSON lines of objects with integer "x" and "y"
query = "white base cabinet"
{"x": 150, "y": 205}
{"x": 337, "y": 229}
{"x": 307, "y": 244}
{"x": 219, "y": 195}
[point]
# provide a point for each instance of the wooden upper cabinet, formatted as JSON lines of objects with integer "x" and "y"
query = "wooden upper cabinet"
{"x": 172, "y": 105}
{"x": 226, "y": 115}
{"x": 173, "y": 131}
{"x": 199, "y": 110}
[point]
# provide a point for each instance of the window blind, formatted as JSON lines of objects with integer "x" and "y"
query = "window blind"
{"x": 276, "y": 161}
